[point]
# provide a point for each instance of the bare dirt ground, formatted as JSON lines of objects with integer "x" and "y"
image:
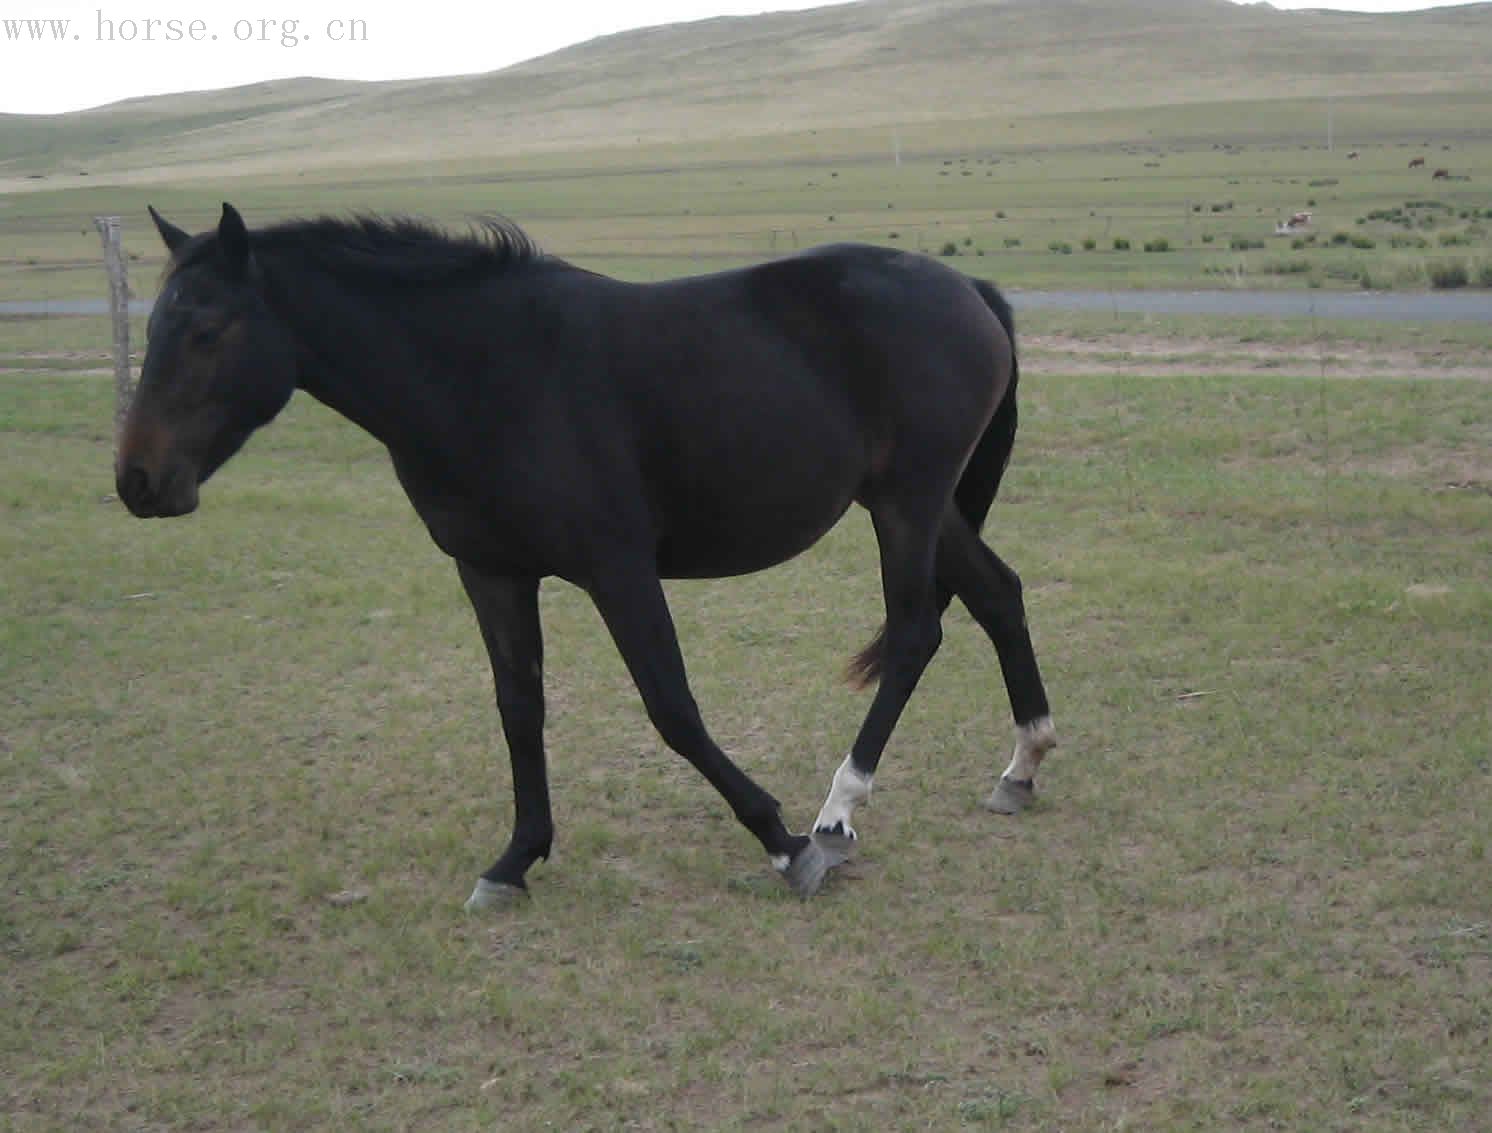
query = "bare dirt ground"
{"x": 1162, "y": 355}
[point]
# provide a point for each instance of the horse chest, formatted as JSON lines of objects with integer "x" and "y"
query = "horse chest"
{"x": 468, "y": 525}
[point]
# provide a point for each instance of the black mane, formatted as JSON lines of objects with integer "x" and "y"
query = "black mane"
{"x": 389, "y": 250}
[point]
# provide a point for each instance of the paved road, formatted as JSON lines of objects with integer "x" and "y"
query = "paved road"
{"x": 1394, "y": 306}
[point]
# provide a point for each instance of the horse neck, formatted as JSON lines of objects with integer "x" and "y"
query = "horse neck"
{"x": 360, "y": 357}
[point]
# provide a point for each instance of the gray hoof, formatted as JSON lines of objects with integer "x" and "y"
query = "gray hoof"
{"x": 1011, "y": 796}
{"x": 494, "y": 895}
{"x": 837, "y": 842}
{"x": 806, "y": 872}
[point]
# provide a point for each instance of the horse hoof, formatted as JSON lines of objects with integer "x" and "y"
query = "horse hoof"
{"x": 806, "y": 872}
{"x": 494, "y": 895}
{"x": 1011, "y": 796}
{"x": 837, "y": 841}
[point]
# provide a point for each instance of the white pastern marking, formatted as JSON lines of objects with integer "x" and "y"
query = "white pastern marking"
{"x": 849, "y": 789}
{"x": 1032, "y": 742}
{"x": 780, "y": 862}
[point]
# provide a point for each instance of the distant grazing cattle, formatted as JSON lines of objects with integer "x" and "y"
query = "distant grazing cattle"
{"x": 1415, "y": 163}
{"x": 1351, "y": 155}
{"x": 1441, "y": 175}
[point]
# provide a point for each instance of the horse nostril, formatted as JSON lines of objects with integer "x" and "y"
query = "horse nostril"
{"x": 134, "y": 485}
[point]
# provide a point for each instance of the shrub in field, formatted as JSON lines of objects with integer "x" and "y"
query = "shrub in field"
{"x": 1363, "y": 242}
{"x": 1340, "y": 239}
{"x": 1484, "y": 274}
{"x": 1399, "y": 241}
{"x": 1158, "y": 245}
{"x": 1410, "y": 273}
{"x": 1060, "y": 246}
{"x": 1089, "y": 244}
{"x": 1012, "y": 241}
{"x": 1244, "y": 243}
{"x": 1286, "y": 267}
{"x": 1447, "y": 276}
{"x": 1121, "y": 244}
{"x": 1453, "y": 239}
{"x": 948, "y": 249}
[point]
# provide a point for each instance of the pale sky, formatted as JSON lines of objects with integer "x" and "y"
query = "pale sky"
{"x": 59, "y": 55}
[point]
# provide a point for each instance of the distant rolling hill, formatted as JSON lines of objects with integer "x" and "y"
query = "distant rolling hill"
{"x": 873, "y": 64}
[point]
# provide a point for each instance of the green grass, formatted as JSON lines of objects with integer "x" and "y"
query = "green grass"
{"x": 1192, "y": 125}
{"x": 1252, "y": 895}
{"x": 1003, "y": 212}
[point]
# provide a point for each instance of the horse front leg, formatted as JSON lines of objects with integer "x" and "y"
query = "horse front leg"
{"x": 508, "y": 613}
{"x": 631, "y": 602}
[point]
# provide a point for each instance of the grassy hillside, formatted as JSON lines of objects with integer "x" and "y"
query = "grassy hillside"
{"x": 1061, "y": 140}
{"x": 875, "y": 65}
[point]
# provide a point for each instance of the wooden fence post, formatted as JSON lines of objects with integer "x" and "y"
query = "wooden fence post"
{"x": 119, "y": 308}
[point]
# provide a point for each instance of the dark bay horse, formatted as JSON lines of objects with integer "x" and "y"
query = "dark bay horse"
{"x": 548, "y": 421}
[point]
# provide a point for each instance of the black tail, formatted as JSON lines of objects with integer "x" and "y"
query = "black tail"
{"x": 976, "y": 488}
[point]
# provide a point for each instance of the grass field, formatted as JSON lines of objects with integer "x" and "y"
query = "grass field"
{"x": 1079, "y": 217}
{"x": 249, "y": 764}
{"x": 250, "y": 769}
{"x": 1046, "y": 144}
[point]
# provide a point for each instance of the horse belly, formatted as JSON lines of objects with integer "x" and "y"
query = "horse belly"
{"x": 751, "y": 502}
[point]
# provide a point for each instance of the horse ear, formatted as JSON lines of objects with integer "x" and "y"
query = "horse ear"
{"x": 233, "y": 239}
{"x": 173, "y": 237}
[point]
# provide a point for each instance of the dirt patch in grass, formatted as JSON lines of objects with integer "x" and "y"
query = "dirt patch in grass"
{"x": 1161, "y": 355}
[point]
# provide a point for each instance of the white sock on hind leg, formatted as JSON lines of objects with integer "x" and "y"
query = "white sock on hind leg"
{"x": 849, "y": 789}
{"x": 1032, "y": 742}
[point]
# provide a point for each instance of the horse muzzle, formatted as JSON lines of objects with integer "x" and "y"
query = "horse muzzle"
{"x": 170, "y": 492}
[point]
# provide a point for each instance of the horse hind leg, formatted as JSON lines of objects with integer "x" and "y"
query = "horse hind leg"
{"x": 913, "y": 633}
{"x": 1016, "y": 789}
{"x": 992, "y": 593}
